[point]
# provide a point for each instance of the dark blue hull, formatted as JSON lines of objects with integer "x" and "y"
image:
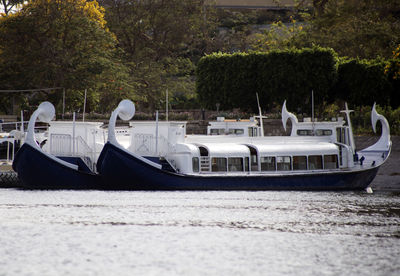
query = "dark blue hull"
{"x": 37, "y": 171}
{"x": 122, "y": 171}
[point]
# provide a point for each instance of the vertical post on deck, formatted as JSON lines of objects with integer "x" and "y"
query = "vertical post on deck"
{"x": 84, "y": 107}
{"x": 63, "y": 111}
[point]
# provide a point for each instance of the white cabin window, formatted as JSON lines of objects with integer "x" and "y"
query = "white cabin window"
{"x": 253, "y": 132}
{"x": 283, "y": 163}
{"x": 217, "y": 131}
{"x": 195, "y": 164}
{"x": 237, "y": 131}
{"x": 315, "y": 162}
{"x": 218, "y": 164}
{"x": 246, "y": 164}
{"x": 341, "y": 135}
{"x": 323, "y": 132}
{"x": 235, "y": 164}
{"x": 299, "y": 162}
{"x": 267, "y": 163}
{"x": 254, "y": 163}
{"x": 304, "y": 132}
{"x": 331, "y": 161}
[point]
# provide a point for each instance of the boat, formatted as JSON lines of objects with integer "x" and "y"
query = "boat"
{"x": 38, "y": 169}
{"x": 316, "y": 156}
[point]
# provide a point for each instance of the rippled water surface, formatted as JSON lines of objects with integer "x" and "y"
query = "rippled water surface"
{"x": 198, "y": 233}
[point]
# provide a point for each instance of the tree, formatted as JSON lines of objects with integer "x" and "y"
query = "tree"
{"x": 162, "y": 40}
{"x": 357, "y": 29}
{"x": 54, "y": 43}
{"x": 9, "y": 5}
{"x": 363, "y": 29}
{"x": 392, "y": 71}
{"x": 156, "y": 29}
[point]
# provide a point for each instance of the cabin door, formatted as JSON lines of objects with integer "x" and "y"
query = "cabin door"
{"x": 204, "y": 160}
{"x": 253, "y": 159}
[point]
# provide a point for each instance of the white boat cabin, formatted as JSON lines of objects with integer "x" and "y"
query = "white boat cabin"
{"x": 149, "y": 138}
{"x": 239, "y": 147}
{"x": 75, "y": 139}
{"x": 246, "y": 128}
{"x": 274, "y": 155}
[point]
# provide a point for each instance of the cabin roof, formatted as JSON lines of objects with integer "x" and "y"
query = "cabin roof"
{"x": 77, "y": 123}
{"x": 318, "y": 125}
{"x": 225, "y": 149}
{"x": 296, "y": 148}
{"x": 282, "y": 148}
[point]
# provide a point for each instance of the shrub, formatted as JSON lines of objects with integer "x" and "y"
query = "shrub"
{"x": 234, "y": 79}
{"x": 362, "y": 82}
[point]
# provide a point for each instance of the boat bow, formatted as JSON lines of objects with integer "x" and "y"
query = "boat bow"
{"x": 286, "y": 115}
{"x": 44, "y": 113}
{"x": 378, "y": 153}
{"x": 125, "y": 111}
{"x": 384, "y": 143}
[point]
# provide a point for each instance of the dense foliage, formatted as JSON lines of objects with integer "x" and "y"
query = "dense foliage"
{"x": 140, "y": 49}
{"x": 363, "y": 82}
{"x": 356, "y": 29}
{"x": 232, "y": 80}
{"x": 59, "y": 44}
{"x": 162, "y": 40}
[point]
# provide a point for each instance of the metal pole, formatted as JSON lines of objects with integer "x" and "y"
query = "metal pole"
{"x": 166, "y": 107}
{"x": 84, "y": 107}
{"x": 22, "y": 121}
{"x": 22, "y": 140}
{"x": 312, "y": 112}
{"x": 312, "y": 105}
{"x": 8, "y": 151}
{"x": 156, "y": 131}
{"x": 94, "y": 151}
{"x": 73, "y": 134}
{"x": 13, "y": 150}
{"x": 63, "y": 112}
{"x": 261, "y": 120}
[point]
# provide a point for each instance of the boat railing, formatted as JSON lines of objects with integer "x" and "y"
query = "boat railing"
{"x": 9, "y": 156}
{"x": 61, "y": 144}
{"x": 85, "y": 152}
{"x": 147, "y": 144}
{"x": 164, "y": 146}
{"x": 65, "y": 145}
{"x": 9, "y": 126}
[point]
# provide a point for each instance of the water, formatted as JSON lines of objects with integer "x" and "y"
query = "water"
{"x": 198, "y": 233}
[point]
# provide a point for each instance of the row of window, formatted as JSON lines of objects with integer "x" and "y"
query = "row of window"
{"x": 317, "y": 132}
{"x": 221, "y": 131}
{"x": 252, "y": 131}
{"x": 342, "y": 133}
{"x": 267, "y": 163}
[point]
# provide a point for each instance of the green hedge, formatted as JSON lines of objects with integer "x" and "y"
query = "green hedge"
{"x": 232, "y": 80}
{"x": 363, "y": 82}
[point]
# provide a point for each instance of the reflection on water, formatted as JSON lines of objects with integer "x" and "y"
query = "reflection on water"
{"x": 158, "y": 233}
